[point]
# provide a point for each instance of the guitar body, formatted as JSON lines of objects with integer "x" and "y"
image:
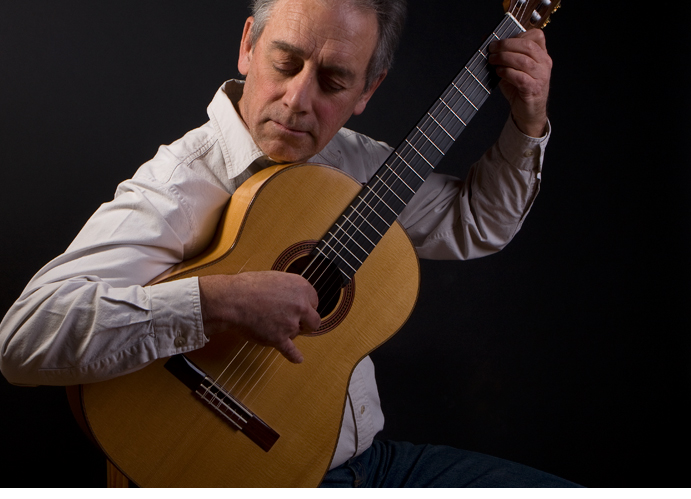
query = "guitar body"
{"x": 285, "y": 417}
{"x": 159, "y": 434}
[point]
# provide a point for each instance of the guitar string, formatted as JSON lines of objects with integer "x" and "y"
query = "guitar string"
{"x": 428, "y": 142}
{"x": 268, "y": 381}
{"x": 428, "y": 131}
{"x": 215, "y": 379}
{"x": 425, "y": 128}
{"x": 259, "y": 370}
{"x": 384, "y": 185}
{"x": 219, "y": 382}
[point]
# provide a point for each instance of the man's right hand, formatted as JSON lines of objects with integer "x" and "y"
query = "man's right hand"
{"x": 269, "y": 308}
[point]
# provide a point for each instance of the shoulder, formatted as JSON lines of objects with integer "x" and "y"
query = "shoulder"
{"x": 355, "y": 153}
{"x": 194, "y": 150}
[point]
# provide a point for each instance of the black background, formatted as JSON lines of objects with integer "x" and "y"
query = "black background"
{"x": 567, "y": 351}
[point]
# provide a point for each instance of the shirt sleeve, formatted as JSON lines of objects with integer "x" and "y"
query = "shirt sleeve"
{"x": 88, "y": 315}
{"x": 453, "y": 219}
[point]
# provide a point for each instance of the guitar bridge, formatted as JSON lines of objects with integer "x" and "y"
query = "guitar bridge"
{"x": 222, "y": 402}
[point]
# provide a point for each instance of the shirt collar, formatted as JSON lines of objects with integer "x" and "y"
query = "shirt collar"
{"x": 239, "y": 150}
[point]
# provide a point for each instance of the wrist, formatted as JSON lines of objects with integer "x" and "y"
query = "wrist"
{"x": 532, "y": 128}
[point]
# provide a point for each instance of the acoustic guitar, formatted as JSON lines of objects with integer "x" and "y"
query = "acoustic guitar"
{"x": 234, "y": 414}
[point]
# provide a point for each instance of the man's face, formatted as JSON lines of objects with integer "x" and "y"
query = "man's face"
{"x": 305, "y": 76}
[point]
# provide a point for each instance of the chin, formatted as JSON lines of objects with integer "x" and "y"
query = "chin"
{"x": 288, "y": 155}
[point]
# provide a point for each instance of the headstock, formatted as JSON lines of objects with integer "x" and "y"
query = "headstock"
{"x": 532, "y": 13}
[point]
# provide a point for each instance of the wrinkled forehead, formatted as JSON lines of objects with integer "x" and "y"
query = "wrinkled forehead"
{"x": 327, "y": 29}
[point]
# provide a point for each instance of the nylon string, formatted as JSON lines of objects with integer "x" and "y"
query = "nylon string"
{"x": 424, "y": 138}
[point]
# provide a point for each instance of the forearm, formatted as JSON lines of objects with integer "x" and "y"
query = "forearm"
{"x": 83, "y": 330}
{"x": 454, "y": 219}
{"x": 88, "y": 314}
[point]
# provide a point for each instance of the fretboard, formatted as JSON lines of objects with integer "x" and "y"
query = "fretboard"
{"x": 362, "y": 225}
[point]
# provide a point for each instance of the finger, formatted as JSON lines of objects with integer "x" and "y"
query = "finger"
{"x": 310, "y": 321}
{"x": 519, "y": 62}
{"x": 532, "y": 47}
{"x": 288, "y": 349}
{"x": 312, "y": 296}
{"x": 535, "y": 35}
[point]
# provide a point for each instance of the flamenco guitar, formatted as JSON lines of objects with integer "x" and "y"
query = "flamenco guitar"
{"x": 235, "y": 414}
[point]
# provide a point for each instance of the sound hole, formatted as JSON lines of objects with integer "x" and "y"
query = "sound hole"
{"x": 324, "y": 276}
{"x": 335, "y": 292}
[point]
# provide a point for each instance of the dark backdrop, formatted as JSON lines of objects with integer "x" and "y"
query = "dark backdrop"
{"x": 567, "y": 351}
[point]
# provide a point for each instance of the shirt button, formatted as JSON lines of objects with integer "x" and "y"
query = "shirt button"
{"x": 362, "y": 409}
{"x": 528, "y": 153}
{"x": 180, "y": 341}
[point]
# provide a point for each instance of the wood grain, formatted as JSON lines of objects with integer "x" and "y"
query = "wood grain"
{"x": 159, "y": 435}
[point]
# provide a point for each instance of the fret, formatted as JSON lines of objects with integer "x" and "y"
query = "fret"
{"x": 477, "y": 80}
{"x": 430, "y": 155}
{"x": 441, "y": 127}
{"x": 400, "y": 179}
{"x": 346, "y": 223}
{"x": 408, "y": 165}
{"x": 372, "y": 222}
{"x": 404, "y": 181}
{"x": 451, "y": 122}
{"x": 366, "y": 245}
{"x": 390, "y": 189}
{"x": 353, "y": 236}
{"x": 430, "y": 141}
{"x": 420, "y": 154}
{"x": 387, "y": 203}
{"x": 454, "y": 113}
{"x": 388, "y": 207}
{"x": 357, "y": 253}
{"x": 372, "y": 210}
{"x": 465, "y": 96}
{"x": 340, "y": 253}
{"x": 435, "y": 135}
{"x": 409, "y": 177}
{"x": 336, "y": 259}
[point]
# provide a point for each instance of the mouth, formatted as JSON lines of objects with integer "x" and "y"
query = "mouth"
{"x": 288, "y": 130}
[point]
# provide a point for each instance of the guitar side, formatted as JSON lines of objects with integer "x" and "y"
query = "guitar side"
{"x": 159, "y": 434}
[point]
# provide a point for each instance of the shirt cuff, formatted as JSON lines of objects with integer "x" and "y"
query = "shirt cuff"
{"x": 177, "y": 316}
{"x": 522, "y": 151}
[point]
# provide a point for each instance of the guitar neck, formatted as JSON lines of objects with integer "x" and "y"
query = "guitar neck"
{"x": 383, "y": 198}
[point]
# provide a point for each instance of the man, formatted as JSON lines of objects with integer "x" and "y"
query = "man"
{"x": 309, "y": 65}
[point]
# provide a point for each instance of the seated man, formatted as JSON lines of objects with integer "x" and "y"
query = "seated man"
{"x": 89, "y": 315}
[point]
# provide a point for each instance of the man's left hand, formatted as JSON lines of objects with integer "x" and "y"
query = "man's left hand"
{"x": 525, "y": 68}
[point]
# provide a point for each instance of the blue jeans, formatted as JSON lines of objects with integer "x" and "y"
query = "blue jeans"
{"x": 401, "y": 464}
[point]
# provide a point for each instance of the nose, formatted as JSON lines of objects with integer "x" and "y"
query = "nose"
{"x": 300, "y": 92}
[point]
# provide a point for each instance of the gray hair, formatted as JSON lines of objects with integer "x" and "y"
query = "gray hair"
{"x": 390, "y": 16}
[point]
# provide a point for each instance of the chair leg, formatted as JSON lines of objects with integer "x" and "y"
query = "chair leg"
{"x": 115, "y": 479}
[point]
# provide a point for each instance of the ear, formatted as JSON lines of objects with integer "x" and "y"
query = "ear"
{"x": 246, "y": 48}
{"x": 367, "y": 94}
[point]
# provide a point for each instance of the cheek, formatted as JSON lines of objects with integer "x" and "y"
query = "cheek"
{"x": 332, "y": 116}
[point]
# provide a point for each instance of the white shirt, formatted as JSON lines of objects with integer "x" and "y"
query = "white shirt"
{"x": 88, "y": 315}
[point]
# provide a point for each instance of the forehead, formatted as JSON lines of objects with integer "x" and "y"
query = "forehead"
{"x": 330, "y": 31}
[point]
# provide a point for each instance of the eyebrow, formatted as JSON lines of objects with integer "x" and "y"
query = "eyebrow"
{"x": 289, "y": 48}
